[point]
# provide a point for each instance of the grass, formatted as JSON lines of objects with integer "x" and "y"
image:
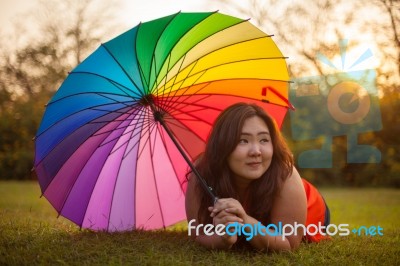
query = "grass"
{"x": 30, "y": 233}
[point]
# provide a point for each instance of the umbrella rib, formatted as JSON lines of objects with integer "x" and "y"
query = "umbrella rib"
{"x": 182, "y": 126}
{"x": 244, "y": 97}
{"x": 153, "y": 170}
{"x": 207, "y": 83}
{"x": 204, "y": 71}
{"x": 71, "y": 132}
{"x": 194, "y": 103}
{"x": 166, "y": 74}
{"x": 116, "y": 120}
{"x": 164, "y": 87}
{"x": 92, "y": 223}
{"x": 128, "y": 132}
{"x": 153, "y": 59}
{"x": 139, "y": 152}
{"x": 70, "y": 189}
{"x": 118, "y": 128}
{"x": 185, "y": 127}
{"x": 111, "y": 140}
{"x": 145, "y": 131}
{"x": 144, "y": 81}
{"x": 171, "y": 159}
{"x": 220, "y": 48}
{"x": 170, "y": 101}
{"x": 212, "y": 95}
{"x": 126, "y": 74}
{"x": 149, "y": 130}
{"x": 169, "y": 97}
{"x": 137, "y": 125}
{"x": 115, "y": 184}
{"x": 178, "y": 125}
{"x": 228, "y": 63}
{"x": 140, "y": 124}
{"x": 113, "y": 82}
{"x": 85, "y": 109}
{"x": 142, "y": 76}
{"x": 195, "y": 62}
{"x": 184, "y": 55}
{"x": 103, "y": 94}
{"x": 104, "y": 110}
{"x": 94, "y": 188}
{"x": 174, "y": 46}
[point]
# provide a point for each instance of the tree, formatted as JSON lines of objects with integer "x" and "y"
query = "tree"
{"x": 30, "y": 73}
{"x": 304, "y": 29}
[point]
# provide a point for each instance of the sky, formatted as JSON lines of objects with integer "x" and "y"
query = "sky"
{"x": 130, "y": 11}
{"x": 10, "y": 9}
{"x": 144, "y": 10}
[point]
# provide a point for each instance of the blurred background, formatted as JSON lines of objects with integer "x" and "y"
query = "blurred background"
{"x": 327, "y": 42}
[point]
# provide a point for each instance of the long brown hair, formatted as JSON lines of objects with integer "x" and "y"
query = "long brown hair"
{"x": 213, "y": 165}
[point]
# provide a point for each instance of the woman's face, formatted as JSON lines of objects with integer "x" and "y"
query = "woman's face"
{"x": 253, "y": 154}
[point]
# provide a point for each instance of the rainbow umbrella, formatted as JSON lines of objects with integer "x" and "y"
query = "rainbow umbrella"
{"x": 120, "y": 134}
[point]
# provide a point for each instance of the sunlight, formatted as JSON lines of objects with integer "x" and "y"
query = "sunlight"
{"x": 135, "y": 11}
{"x": 360, "y": 57}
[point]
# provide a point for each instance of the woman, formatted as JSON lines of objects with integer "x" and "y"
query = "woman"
{"x": 250, "y": 168}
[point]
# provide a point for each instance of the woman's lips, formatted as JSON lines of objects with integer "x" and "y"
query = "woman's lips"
{"x": 253, "y": 164}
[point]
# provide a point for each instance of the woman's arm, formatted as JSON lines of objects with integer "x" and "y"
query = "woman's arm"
{"x": 289, "y": 207}
{"x": 192, "y": 207}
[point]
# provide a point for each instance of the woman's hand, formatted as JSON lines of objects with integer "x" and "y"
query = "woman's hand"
{"x": 229, "y": 206}
{"x": 227, "y": 211}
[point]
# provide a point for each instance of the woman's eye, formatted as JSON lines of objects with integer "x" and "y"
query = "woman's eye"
{"x": 243, "y": 141}
{"x": 264, "y": 140}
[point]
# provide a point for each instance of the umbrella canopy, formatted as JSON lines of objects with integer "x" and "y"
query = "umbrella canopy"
{"x": 112, "y": 149}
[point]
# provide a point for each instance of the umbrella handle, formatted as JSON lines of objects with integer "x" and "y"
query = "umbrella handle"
{"x": 159, "y": 118}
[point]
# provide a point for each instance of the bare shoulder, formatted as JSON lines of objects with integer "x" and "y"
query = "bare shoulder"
{"x": 290, "y": 206}
{"x": 292, "y": 188}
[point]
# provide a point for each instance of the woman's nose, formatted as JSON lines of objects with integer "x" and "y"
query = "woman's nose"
{"x": 255, "y": 150}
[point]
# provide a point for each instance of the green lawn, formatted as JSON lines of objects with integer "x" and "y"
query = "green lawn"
{"x": 30, "y": 233}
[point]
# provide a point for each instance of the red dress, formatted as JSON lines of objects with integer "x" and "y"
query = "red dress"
{"x": 317, "y": 211}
